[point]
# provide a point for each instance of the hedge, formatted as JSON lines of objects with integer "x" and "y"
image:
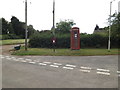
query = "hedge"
{"x": 63, "y": 41}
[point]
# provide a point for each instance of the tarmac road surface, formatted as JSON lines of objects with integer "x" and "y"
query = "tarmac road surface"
{"x": 60, "y": 71}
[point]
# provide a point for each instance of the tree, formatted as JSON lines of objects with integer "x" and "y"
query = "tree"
{"x": 64, "y": 26}
{"x": 15, "y": 24}
{"x": 18, "y": 27}
{"x": 0, "y": 26}
{"x": 116, "y": 25}
{"x": 4, "y": 26}
{"x": 31, "y": 30}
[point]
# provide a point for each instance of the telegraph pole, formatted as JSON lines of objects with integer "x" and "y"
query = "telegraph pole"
{"x": 54, "y": 24}
{"x": 110, "y": 26}
{"x": 26, "y": 25}
{"x": 118, "y": 7}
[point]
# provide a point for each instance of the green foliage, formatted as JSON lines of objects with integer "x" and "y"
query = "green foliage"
{"x": 18, "y": 27}
{"x": 40, "y": 40}
{"x": 9, "y": 36}
{"x": 4, "y": 26}
{"x": 12, "y": 41}
{"x": 15, "y": 28}
{"x": 64, "y": 26}
{"x": 44, "y": 40}
{"x": 115, "y": 32}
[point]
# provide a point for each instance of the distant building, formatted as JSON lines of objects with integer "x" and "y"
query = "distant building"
{"x": 99, "y": 30}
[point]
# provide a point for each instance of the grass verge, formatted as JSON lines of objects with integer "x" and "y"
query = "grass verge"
{"x": 65, "y": 52}
{"x": 12, "y": 41}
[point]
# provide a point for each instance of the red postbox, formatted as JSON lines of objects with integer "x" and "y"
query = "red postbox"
{"x": 75, "y": 38}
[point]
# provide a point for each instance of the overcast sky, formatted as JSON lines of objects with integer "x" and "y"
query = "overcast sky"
{"x": 85, "y": 13}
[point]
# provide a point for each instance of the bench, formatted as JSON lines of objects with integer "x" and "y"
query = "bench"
{"x": 17, "y": 47}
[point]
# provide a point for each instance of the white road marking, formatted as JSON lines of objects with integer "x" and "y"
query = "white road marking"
{"x": 118, "y": 72}
{"x": 57, "y": 63}
{"x": 23, "y": 61}
{"x": 54, "y": 66}
{"x": 35, "y": 60}
{"x": 32, "y": 62}
{"x": 16, "y": 59}
{"x": 104, "y": 73}
{"x": 68, "y": 65}
{"x": 67, "y": 68}
{"x": 20, "y": 58}
{"x": 9, "y": 58}
{"x": 47, "y": 62}
{"x": 2, "y": 57}
{"x": 28, "y": 60}
{"x": 42, "y": 64}
{"x": 104, "y": 70}
{"x": 118, "y": 75}
{"x": 84, "y": 70}
{"x": 12, "y": 57}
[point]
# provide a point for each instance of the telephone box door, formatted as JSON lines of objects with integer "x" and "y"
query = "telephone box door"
{"x": 75, "y": 38}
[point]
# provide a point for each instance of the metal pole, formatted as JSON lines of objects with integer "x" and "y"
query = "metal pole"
{"x": 54, "y": 23}
{"x": 109, "y": 43}
{"x": 118, "y": 7}
{"x": 26, "y": 25}
{"x": 109, "y": 27}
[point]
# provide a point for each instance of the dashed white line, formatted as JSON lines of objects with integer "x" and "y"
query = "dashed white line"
{"x": 104, "y": 73}
{"x": 28, "y": 60}
{"x": 67, "y": 68}
{"x": 16, "y": 59}
{"x": 20, "y": 58}
{"x": 68, "y": 65}
{"x": 9, "y": 58}
{"x": 57, "y": 63}
{"x": 47, "y": 62}
{"x": 104, "y": 70}
{"x": 118, "y": 75}
{"x": 23, "y": 61}
{"x": 12, "y": 57}
{"x": 54, "y": 66}
{"x": 32, "y": 62}
{"x": 84, "y": 70}
{"x": 35, "y": 60}
{"x": 2, "y": 57}
{"x": 42, "y": 64}
{"x": 118, "y": 72}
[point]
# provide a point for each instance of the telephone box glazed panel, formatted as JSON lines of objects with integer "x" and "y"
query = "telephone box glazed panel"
{"x": 75, "y": 38}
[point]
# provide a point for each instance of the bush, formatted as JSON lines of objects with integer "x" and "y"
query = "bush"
{"x": 93, "y": 41}
{"x": 44, "y": 40}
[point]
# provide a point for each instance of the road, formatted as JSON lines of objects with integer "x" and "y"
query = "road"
{"x": 59, "y": 71}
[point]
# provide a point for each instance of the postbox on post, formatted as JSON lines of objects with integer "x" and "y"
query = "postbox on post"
{"x": 75, "y": 38}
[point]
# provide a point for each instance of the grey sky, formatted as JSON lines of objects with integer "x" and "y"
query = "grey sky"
{"x": 85, "y": 13}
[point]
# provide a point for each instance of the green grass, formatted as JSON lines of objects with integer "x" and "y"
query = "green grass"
{"x": 12, "y": 41}
{"x": 65, "y": 52}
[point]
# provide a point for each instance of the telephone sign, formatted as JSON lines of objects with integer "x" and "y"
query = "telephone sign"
{"x": 75, "y": 38}
{"x": 54, "y": 40}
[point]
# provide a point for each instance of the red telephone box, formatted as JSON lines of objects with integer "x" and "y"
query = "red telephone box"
{"x": 75, "y": 38}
